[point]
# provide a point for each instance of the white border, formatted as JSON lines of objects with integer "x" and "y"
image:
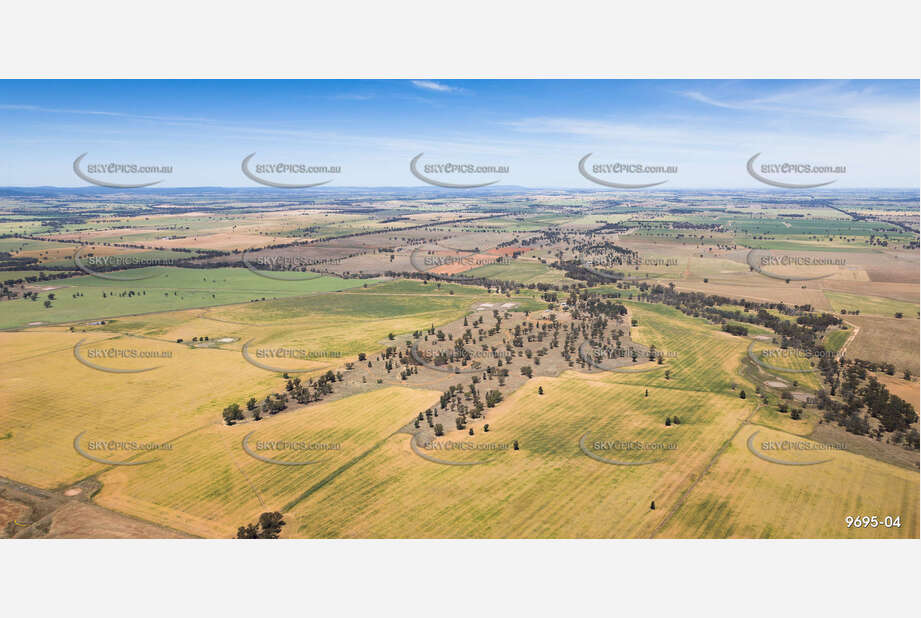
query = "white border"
{"x": 474, "y": 38}
{"x": 460, "y": 38}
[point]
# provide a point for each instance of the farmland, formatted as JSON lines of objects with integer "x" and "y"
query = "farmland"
{"x": 157, "y": 289}
{"x": 393, "y": 493}
{"x": 802, "y": 501}
{"x": 620, "y": 356}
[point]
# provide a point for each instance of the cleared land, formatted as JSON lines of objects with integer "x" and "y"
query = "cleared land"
{"x": 888, "y": 340}
{"x": 209, "y": 486}
{"x": 166, "y": 289}
{"x": 699, "y": 471}
{"x": 871, "y": 305}
{"x": 549, "y": 488}
{"x": 743, "y": 496}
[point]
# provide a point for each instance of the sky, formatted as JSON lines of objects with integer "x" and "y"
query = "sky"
{"x": 538, "y": 129}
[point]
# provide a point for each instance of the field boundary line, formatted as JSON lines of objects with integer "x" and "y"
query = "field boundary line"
{"x": 246, "y": 479}
{"x": 142, "y": 314}
{"x": 683, "y": 497}
{"x": 69, "y": 347}
{"x": 850, "y": 339}
{"x": 329, "y": 478}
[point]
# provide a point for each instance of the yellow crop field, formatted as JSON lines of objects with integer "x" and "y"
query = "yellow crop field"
{"x": 744, "y": 496}
{"x": 698, "y": 355}
{"x": 49, "y": 397}
{"x": 208, "y": 485}
{"x": 548, "y": 488}
{"x": 790, "y": 367}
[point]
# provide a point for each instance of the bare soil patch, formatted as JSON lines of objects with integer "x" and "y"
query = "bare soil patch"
{"x": 831, "y": 433}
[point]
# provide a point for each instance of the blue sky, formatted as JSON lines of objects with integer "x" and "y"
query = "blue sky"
{"x": 539, "y": 129}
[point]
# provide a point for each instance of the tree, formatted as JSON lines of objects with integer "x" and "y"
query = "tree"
{"x": 796, "y": 414}
{"x": 908, "y": 375}
{"x": 471, "y": 431}
{"x": 652, "y": 505}
{"x": 271, "y": 524}
{"x": 668, "y": 422}
{"x": 439, "y": 430}
{"x": 485, "y": 427}
{"x": 251, "y": 404}
{"x": 526, "y": 371}
{"x": 540, "y": 390}
{"x": 232, "y": 414}
{"x": 668, "y": 374}
{"x": 250, "y": 531}
{"x": 675, "y": 420}
{"x": 268, "y": 527}
{"x": 742, "y": 395}
{"x": 515, "y": 444}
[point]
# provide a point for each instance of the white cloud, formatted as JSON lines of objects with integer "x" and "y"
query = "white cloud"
{"x": 92, "y": 112}
{"x": 860, "y": 108}
{"x": 427, "y": 84}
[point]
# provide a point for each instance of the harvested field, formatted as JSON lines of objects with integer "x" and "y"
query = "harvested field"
{"x": 743, "y": 496}
{"x": 889, "y": 340}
